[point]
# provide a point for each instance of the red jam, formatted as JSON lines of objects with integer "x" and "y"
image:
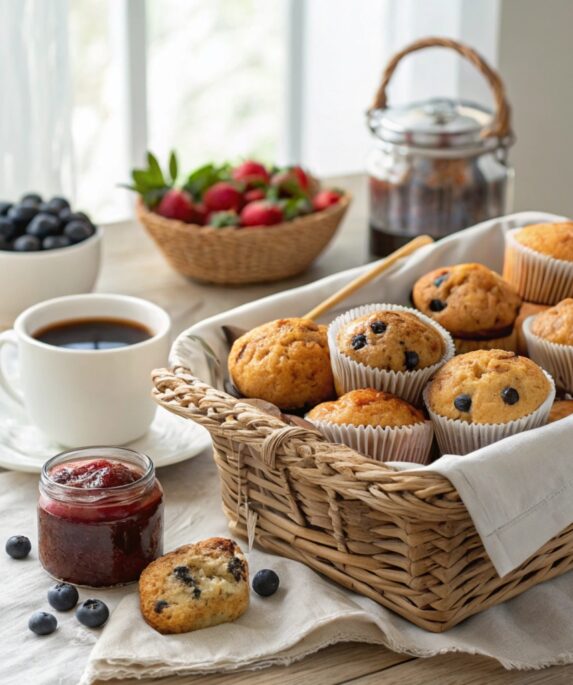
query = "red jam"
{"x": 100, "y": 516}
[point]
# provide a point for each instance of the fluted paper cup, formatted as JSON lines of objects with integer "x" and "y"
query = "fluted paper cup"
{"x": 461, "y": 437}
{"x": 400, "y": 443}
{"x": 536, "y": 277}
{"x": 556, "y": 358}
{"x": 352, "y": 375}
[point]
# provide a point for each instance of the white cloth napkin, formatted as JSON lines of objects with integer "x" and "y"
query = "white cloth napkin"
{"x": 518, "y": 491}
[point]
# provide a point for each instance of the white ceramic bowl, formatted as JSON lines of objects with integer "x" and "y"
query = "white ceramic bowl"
{"x": 27, "y": 278}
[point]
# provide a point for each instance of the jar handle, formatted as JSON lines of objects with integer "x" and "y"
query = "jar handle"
{"x": 501, "y": 125}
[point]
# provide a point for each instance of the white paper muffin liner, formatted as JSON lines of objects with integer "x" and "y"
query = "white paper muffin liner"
{"x": 536, "y": 277}
{"x": 352, "y": 375}
{"x": 401, "y": 443}
{"x": 556, "y": 358}
{"x": 460, "y": 437}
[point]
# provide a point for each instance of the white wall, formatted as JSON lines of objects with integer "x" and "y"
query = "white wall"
{"x": 536, "y": 62}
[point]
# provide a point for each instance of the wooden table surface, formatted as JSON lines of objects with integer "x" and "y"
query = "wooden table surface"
{"x": 132, "y": 265}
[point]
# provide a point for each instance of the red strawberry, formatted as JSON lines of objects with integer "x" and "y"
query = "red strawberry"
{"x": 288, "y": 184}
{"x": 176, "y": 204}
{"x": 261, "y": 213}
{"x": 222, "y": 196}
{"x": 325, "y": 198}
{"x": 199, "y": 214}
{"x": 302, "y": 176}
{"x": 254, "y": 194}
{"x": 250, "y": 172}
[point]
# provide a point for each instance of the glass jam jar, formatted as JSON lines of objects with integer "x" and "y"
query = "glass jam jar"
{"x": 439, "y": 165}
{"x": 100, "y": 516}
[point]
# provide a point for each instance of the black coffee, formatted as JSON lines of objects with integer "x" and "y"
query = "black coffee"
{"x": 93, "y": 334}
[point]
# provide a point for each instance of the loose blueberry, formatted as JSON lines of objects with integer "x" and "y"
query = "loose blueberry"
{"x": 437, "y": 305}
{"x": 7, "y": 228}
{"x": 43, "y": 225}
{"x": 463, "y": 403}
{"x": 4, "y": 207}
{"x": 53, "y": 242}
{"x": 33, "y": 198}
{"x": 27, "y": 243}
{"x": 265, "y": 582}
{"x": 63, "y": 596}
{"x": 440, "y": 279}
{"x": 42, "y": 623}
{"x": 18, "y": 546}
{"x": 58, "y": 203}
{"x": 359, "y": 341}
{"x": 77, "y": 231}
{"x": 378, "y": 327}
{"x": 21, "y": 215}
{"x": 510, "y": 395}
{"x": 412, "y": 359}
{"x": 92, "y": 613}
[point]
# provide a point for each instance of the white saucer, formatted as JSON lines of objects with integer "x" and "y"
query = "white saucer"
{"x": 23, "y": 447}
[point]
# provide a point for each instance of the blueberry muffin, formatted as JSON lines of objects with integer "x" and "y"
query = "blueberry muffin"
{"x": 473, "y": 303}
{"x": 561, "y": 409}
{"x": 539, "y": 261}
{"x": 195, "y": 586}
{"x": 367, "y": 407}
{"x": 488, "y": 387}
{"x": 391, "y": 340}
{"x": 553, "y": 240}
{"x": 527, "y": 309}
{"x": 377, "y": 424}
{"x": 556, "y": 323}
{"x": 285, "y": 362}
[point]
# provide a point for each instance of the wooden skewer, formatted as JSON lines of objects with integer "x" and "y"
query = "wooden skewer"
{"x": 370, "y": 275}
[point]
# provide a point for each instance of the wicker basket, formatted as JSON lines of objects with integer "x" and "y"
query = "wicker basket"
{"x": 254, "y": 255}
{"x": 406, "y": 541}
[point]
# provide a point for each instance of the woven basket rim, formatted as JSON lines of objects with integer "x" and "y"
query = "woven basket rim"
{"x": 302, "y": 222}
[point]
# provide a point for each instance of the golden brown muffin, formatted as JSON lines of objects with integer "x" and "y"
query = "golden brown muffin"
{"x": 556, "y": 323}
{"x": 561, "y": 409}
{"x": 488, "y": 386}
{"x": 469, "y": 300}
{"x": 195, "y": 586}
{"x": 367, "y": 407}
{"x": 553, "y": 240}
{"x": 527, "y": 309}
{"x": 391, "y": 340}
{"x": 285, "y": 362}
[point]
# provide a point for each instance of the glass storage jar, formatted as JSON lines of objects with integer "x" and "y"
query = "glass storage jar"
{"x": 436, "y": 166}
{"x": 100, "y": 516}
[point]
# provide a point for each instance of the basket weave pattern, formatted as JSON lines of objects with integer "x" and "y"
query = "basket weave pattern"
{"x": 253, "y": 255}
{"x": 404, "y": 540}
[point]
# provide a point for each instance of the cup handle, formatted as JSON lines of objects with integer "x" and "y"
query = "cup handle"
{"x": 9, "y": 338}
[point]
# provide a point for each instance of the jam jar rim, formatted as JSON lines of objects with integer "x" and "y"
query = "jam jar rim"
{"x": 95, "y": 495}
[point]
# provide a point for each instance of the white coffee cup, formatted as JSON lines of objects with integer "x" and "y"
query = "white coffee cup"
{"x": 87, "y": 397}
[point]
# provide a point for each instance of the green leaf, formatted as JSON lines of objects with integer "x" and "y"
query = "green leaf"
{"x": 204, "y": 177}
{"x": 173, "y": 170}
{"x": 273, "y": 194}
{"x": 153, "y": 197}
{"x": 224, "y": 219}
{"x": 155, "y": 174}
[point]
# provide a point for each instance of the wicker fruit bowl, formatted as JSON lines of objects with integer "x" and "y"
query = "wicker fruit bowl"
{"x": 240, "y": 256}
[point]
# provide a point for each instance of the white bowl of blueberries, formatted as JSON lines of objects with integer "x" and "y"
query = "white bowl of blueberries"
{"x": 46, "y": 250}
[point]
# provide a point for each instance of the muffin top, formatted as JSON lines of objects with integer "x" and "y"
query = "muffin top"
{"x": 554, "y": 240}
{"x": 556, "y": 323}
{"x": 367, "y": 407}
{"x": 285, "y": 362}
{"x": 469, "y": 300}
{"x": 391, "y": 340}
{"x": 488, "y": 386}
{"x": 561, "y": 409}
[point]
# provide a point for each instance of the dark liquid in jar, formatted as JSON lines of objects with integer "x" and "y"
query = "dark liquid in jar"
{"x": 93, "y": 334}
{"x": 103, "y": 544}
{"x": 437, "y": 197}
